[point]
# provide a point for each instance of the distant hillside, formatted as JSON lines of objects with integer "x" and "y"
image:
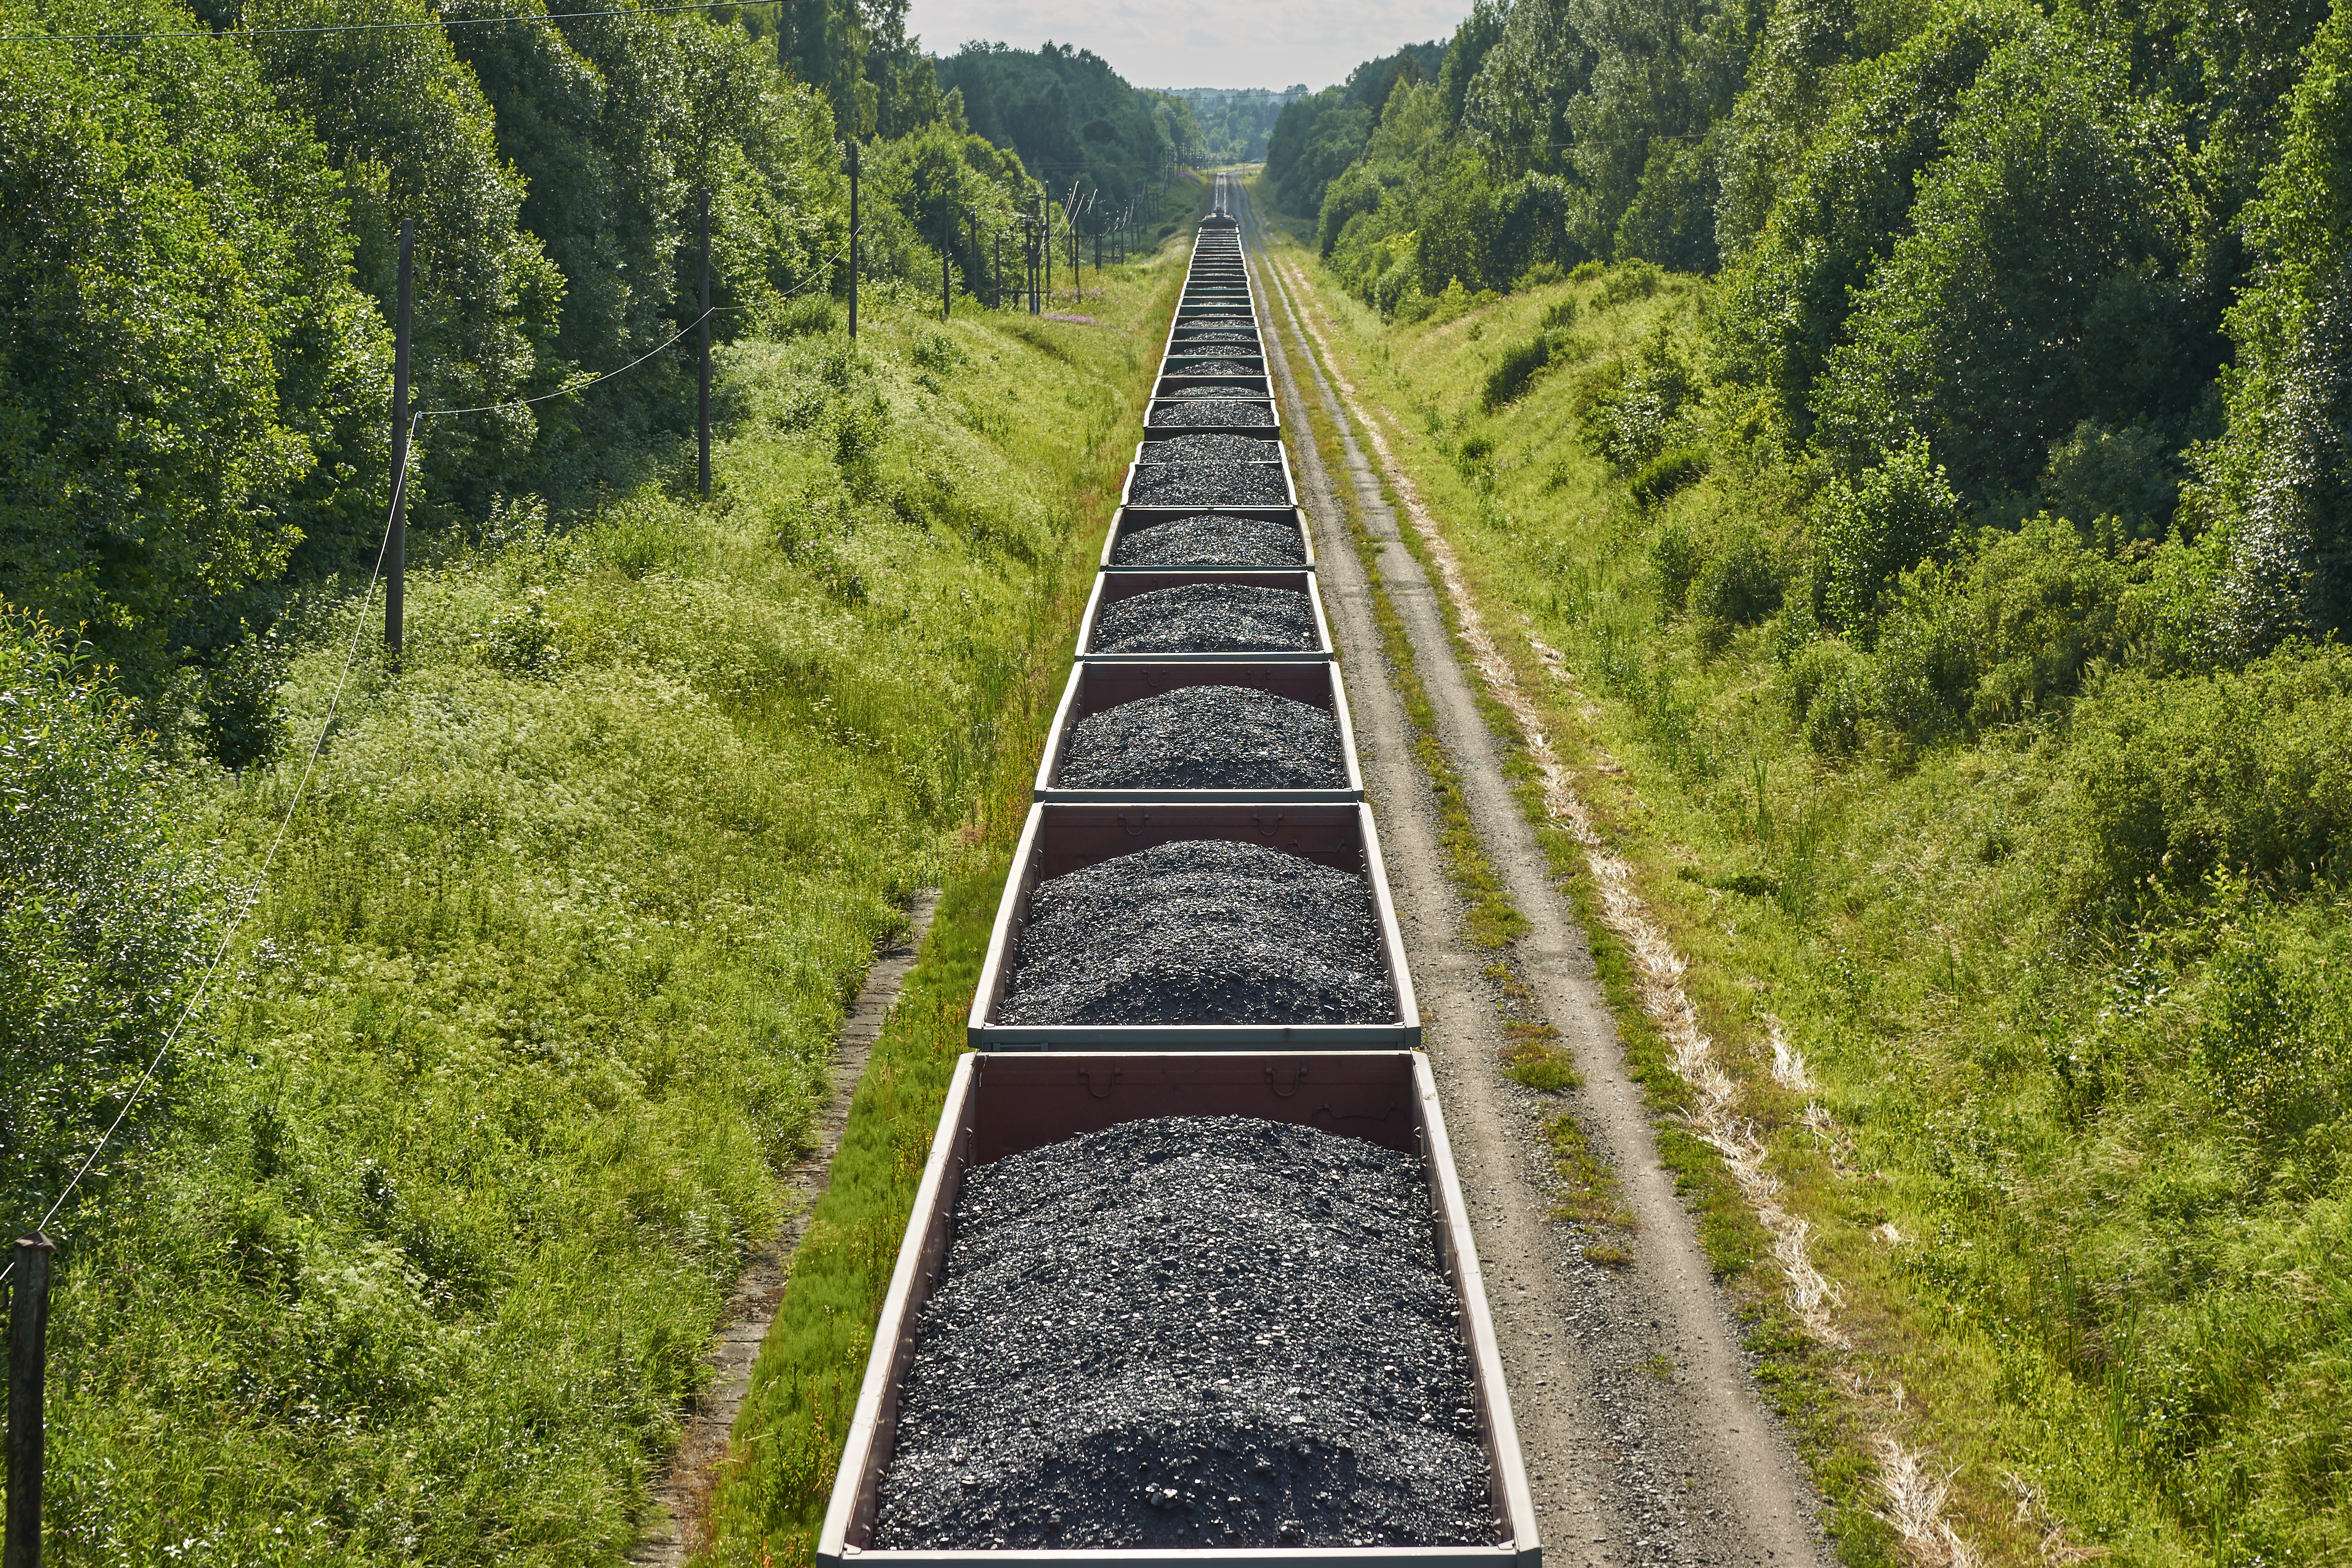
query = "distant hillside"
{"x": 1234, "y": 122}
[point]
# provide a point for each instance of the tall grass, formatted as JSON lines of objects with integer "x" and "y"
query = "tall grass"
{"x": 418, "y": 1258}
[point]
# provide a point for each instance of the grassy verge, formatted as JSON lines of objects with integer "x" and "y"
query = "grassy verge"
{"x": 416, "y": 1256}
{"x": 786, "y": 1447}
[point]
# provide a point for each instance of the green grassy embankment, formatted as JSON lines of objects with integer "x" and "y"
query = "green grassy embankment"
{"x": 415, "y": 1256}
{"x": 2081, "y": 1156}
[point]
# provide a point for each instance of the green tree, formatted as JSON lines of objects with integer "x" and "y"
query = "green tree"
{"x": 2049, "y": 276}
{"x": 2282, "y": 480}
{"x": 189, "y": 386}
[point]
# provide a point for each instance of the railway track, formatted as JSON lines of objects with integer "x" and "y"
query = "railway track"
{"x": 1194, "y": 1040}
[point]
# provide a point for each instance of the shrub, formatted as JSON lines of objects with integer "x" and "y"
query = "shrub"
{"x": 1537, "y": 277}
{"x": 1519, "y": 365}
{"x": 1669, "y": 474}
{"x": 2172, "y": 781}
{"x": 1560, "y": 314}
{"x": 1629, "y": 282}
{"x": 1471, "y": 457}
{"x": 1742, "y": 584}
{"x": 2276, "y": 1047}
{"x": 1586, "y": 271}
{"x": 1677, "y": 558}
{"x": 100, "y": 915}
{"x": 1826, "y": 686}
{"x": 2130, "y": 475}
{"x": 1873, "y": 532}
{"x": 1629, "y": 410}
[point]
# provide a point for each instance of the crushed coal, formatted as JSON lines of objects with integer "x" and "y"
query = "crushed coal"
{"x": 1210, "y": 539}
{"x": 1206, "y": 618}
{"x": 1216, "y": 367}
{"x": 1211, "y": 411}
{"x": 1211, "y": 450}
{"x": 1208, "y": 391}
{"x": 1186, "y": 340}
{"x": 1204, "y": 930}
{"x": 1208, "y": 484}
{"x": 1188, "y": 1331}
{"x": 1206, "y": 737}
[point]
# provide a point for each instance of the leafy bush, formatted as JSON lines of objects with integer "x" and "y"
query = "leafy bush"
{"x": 1741, "y": 584}
{"x": 1471, "y": 457}
{"x": 1827, "y": 688}
{"x": 2172, "y": 781}
{"x": 1629, "y": 410}
{"x": 2129, "y": 475}
{"x": 2276, "y": 1047}
{"x": 1519, "y": 365}
{"x": 1560, "y": 314}
{"x": 2047, "y": 277}
{"x": 101, "y": 916}
{"x": 1870, "y": 533}
{"x": 1670, "y": 473}
{"x": 1677, "y": 558}
{"x": 1629, "y": 282}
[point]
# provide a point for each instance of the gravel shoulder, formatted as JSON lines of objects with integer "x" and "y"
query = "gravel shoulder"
{"x": 1645, "y": 1440}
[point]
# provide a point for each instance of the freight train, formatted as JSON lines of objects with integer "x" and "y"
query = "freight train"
{"x": 1189, "y": 1278}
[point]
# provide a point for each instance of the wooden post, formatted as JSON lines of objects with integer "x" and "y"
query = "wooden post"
{"x": 28, "y": 1354}
{"x": 947, "y": 242}
{"x": 702, "y": 398}
{"x": 853, "y": 239}
{"x": 1047, "y": 214}
{"x": 395, "y": 544}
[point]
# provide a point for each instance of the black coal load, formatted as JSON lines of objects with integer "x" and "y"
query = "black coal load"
{"x": 1186, "y": 340}
{"x": 1216, "y": 367}
{"x": 1208, "y": 484}
{"x": 1206, "y": 737}
{"x": 1207, "y": 617}
{"x": 1211, "y": 410}
{"x": 1189, "y": 1331}
{"x": 1210, "y": 539}
{"x": 1200, "y": 932}
{"x": 1198, "y": 449}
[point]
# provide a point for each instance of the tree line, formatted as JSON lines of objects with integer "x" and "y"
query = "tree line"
{"x": 1975, "y": 261}
{"x": 197, "y": 280}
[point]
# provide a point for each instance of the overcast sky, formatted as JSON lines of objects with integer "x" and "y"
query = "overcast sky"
{"x": 1218, "y": 43}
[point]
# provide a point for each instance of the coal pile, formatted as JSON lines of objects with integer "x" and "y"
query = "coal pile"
{"x": 1188, "y": 1331}
{"x": 1198, "y": 449}
{"x": 1212, "y": 541}
{"x": 1207, "y": 617}
{"x": 1200, "y": 932}
{"x": 1211, "y": 410}
{"x": 1206, "y": 737}
{"x": 1208, "y": 484}
{"x": 1186, "y": 340}
{"x": 1216, "y": 367}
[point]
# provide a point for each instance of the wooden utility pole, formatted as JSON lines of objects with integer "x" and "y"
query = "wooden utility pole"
{"x": 396, "y": 543}
{"x": 853, "y": 239}
{"x": 702, "y": 400}
{"x": 28, "y": 1356}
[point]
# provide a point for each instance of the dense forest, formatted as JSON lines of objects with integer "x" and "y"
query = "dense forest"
{"x": 1232, "y": 124}
{"x": 1923, "y": 427}
{"x": 196, "y": 286}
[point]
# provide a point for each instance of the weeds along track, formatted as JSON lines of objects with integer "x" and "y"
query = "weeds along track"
{"x": 1190, "y": 1270}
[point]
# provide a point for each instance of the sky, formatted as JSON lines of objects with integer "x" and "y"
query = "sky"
{"x": 1219, "y": 43}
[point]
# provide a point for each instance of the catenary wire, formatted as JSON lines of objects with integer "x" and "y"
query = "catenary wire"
{"x": 369, "y": 27}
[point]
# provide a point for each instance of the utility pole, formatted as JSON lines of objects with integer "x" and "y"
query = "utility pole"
{"x": 853, "y": 239}
{"x": 947, "y": 244}
{"x": 396, "y": 543}
{"x": 1046, "y": 215}
{"x": 702, "y": 396}
{"x": 28, "y": 1355}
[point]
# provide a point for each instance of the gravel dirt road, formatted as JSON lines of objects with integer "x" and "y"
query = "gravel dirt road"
{"x": 1645, "y": 1440}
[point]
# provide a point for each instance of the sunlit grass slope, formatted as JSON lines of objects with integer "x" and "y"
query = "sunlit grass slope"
{"x": 540, "y": 993}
